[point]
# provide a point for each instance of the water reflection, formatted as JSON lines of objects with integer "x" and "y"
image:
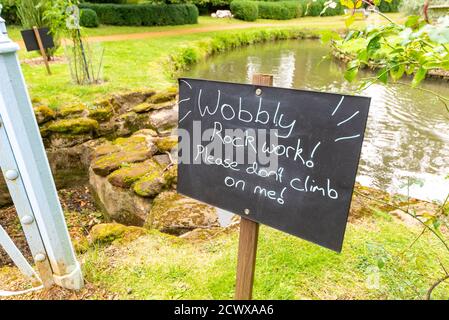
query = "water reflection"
{"x": 408, "y": 129}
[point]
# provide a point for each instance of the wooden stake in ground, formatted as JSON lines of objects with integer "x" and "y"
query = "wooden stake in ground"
{"x": 249, "y": 234}
{"x": 41, "y": 48}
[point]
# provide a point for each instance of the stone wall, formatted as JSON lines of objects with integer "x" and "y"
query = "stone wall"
{"x": 71, "y": 133}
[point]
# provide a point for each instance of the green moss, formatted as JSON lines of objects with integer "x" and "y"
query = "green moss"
{"x": 166, "y": 144}
{"x": 150, "y": 184}
{"x": 73, "y": 126}
{"x": 171, "y": 175}
{"x": 122, "y": 151}
{"x": 81, "y": 245}
{"x": 72, "y": 111}
{"x": 134, "y": 121}
{"x": 146, "y": 106}
{"x": 174, "y": 213}
{"x": 103, "y": 166}
{"x": 127, "y": 175}
{"x": 43, "y": 114}
{"x": 107, "y": 233}
{"x": 128, "y": 144}
{"x": 105, "y": 149}
{"x": 164, "y": 96}
{"x": 101, "y": 114}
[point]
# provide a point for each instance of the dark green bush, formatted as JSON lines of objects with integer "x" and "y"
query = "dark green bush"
{"x": 390, "y": 7}
{"x": 144, "y": 14}
{"x": 9, "y": 12}
{"x": 245, "y": 10}
{"x": 279, "y": 10}
{"x": 89, "y": 18}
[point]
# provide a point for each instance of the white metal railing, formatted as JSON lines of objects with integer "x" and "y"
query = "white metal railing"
{"x": 27, "y": 173}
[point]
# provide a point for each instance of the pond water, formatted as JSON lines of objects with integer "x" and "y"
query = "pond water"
{"x": 407, "y": 136}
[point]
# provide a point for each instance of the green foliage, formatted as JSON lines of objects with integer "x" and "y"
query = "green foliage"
{"x": 145, "y": 14}
{"x": 279, "y": 10}
{"x": 9, "y": 11}
{"x": 245, "y": 10}
{"x": 392, "y": 6}
{"x": 399, "y": 50}
{"x": 31, "y": 13}
{"x": 89, "y": 18}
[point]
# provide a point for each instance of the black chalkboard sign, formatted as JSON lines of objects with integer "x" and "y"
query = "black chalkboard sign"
{"x": 282, "y": 157}
{"x": 30, "y": 40}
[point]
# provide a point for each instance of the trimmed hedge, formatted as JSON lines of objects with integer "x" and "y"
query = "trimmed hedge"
{"x": 245, "y": 10}
{"x": 144, "y": 14}
{"x": 390, "y": 7}
{"x": 89, "y": 18}
{"x": 280, "y": 10}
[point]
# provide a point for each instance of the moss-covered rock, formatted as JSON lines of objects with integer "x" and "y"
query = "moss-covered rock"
{"x": 147, "y": 107}
{"x": 164, "y": 96}
{"x": 150, "y": 184}
{"x": 66, "y": 140}
{"x": 100, "y": 113}
{"x": 128, "y": 174}
{"x": 72, "y": 111}
{"x": 73, "y": 126}
{"x": 175, "y": 214}
{"x": 202, "y": 234}
{"x": 131, "y": 122}
{"x": 104, "y": 165}
{"x": 44, "y": 114}
{"x": 166, "y": 144}
{"x": 130, "y": 150}
{"x": 107, "y": 233}
{"x": 106, "y": 149}
{"x": 163, "y": 120}
{"x": 124, "y": 102}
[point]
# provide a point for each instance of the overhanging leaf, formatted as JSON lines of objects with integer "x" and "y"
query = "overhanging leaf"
{"x": 419, "y": 76}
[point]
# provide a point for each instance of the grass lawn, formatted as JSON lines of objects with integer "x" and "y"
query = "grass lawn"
{"x": 136, "y": 64}
{"x": 376, "y": 263}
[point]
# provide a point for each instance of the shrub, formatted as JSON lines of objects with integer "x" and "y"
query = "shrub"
{"x": 393, "y": 6}
{"x": 279, "y": 10}
{"x": 245, "y": 10}
{"x": 9, "y": 11}
{"x": 144, "y": 14}
{"x": 88, "y": 18}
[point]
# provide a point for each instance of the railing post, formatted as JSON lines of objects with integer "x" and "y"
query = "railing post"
{"x": 33, "y": 169}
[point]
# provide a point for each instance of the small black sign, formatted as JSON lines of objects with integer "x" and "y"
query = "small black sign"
{"x": 282, "y": 157}
{"x": 30, "y": 40}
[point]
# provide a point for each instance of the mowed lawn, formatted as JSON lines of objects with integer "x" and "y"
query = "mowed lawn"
{"x": 377, "y": 262}
{"x": 140, "y": 63}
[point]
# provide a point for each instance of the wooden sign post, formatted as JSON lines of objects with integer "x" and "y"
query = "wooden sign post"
{"x": 249, "y": 234}
{"x": 41, "y": 49}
